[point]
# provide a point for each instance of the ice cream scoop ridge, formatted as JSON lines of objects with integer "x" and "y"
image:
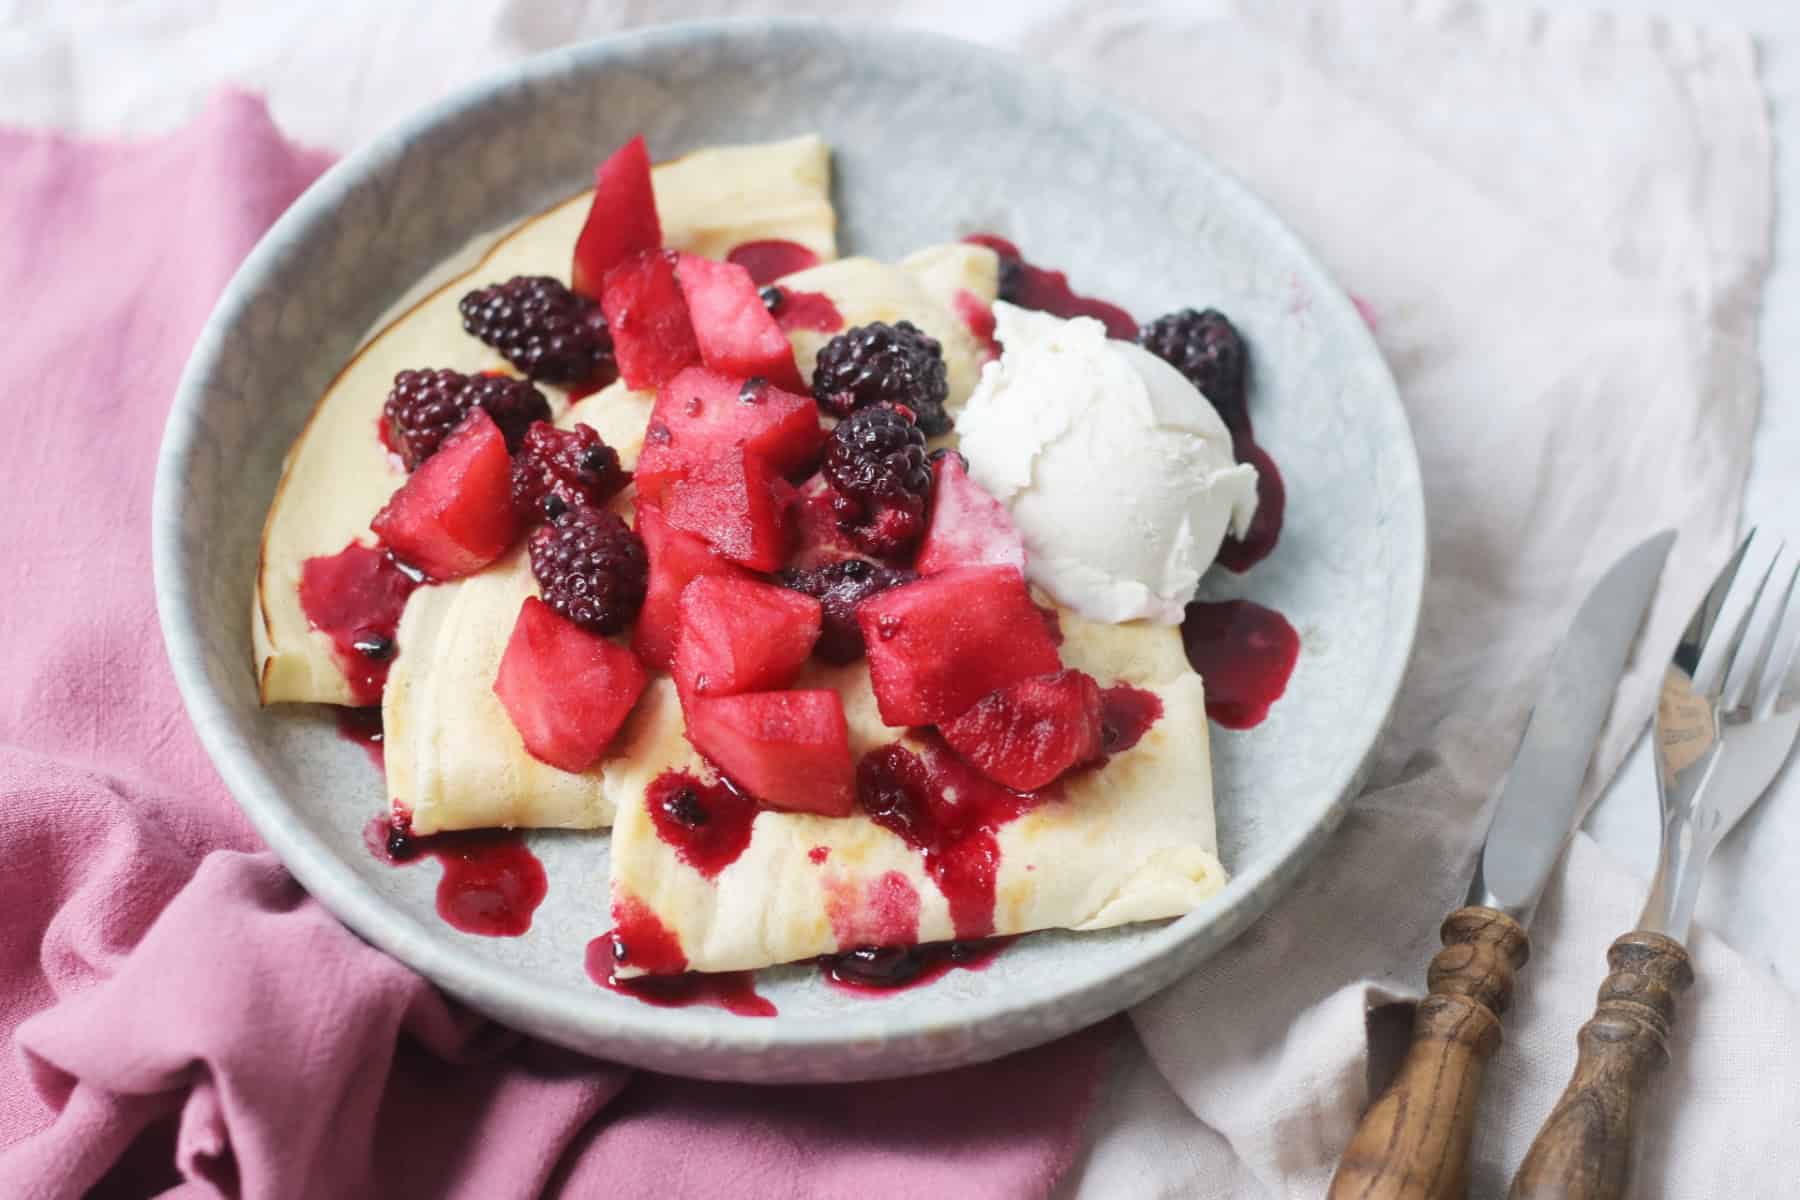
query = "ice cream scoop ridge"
{"x": 1117, "y": 471}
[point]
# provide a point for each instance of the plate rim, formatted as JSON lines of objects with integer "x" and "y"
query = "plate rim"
{"x": 663, "y": 1038}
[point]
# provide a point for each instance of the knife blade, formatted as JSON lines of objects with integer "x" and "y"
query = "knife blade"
{"x": 1540, "y": 798}
{"x": 1413, "y": 1142}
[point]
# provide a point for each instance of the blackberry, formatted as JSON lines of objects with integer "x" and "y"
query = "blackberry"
{"x": 884, "y": 364}
{"x": 684, "y": 808}
{"x": 839, "y": 587}
{"x": 424, "y": 406}
{"x": 879, "y": 966}
{"x": 1011, "y": 283}
{"x": 1012, "y": 279}
{"x": 542, "y": 328}
{"x": 1207, "y": 349}
{"x": 875, "y": 464}
{"x": 559, "y": 469}
{"x": 372, "y": 644}
{"x": 592, "y": 568}
{"x": 897, "y": 966}
{"x": 401, "y": 846}
{"x": 513, "y": 403}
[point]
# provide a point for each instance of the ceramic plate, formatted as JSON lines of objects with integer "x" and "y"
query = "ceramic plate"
{"x": 932, "y": 139}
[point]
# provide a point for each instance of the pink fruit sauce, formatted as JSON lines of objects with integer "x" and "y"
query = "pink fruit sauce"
{"x": 807, "y": 310}
{"x": 733, "y": 991}
{"x": 769, "y": 260}
{"x": 581, "y": 391}
{"x": 640, "y": 939}
{"x": 951, "y": 814}
{"x": 1126, "y": 715}
{"x": 708, "y": 824}
{"x": 363, "y": 726}
{"x": 878, "y": 971}
{"x": 355, "y": 598}
{"x": 883, "y": 911}
{"x": 492, "y": 882}
{"x": 948, "y": 812}
{"x": 1245, "y": 653}
{"x": 979, "y": 318}
{"x": 1048, "y": 291}
{"x": 1240, "y": 555}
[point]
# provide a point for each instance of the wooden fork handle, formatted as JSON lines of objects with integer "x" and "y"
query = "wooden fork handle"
{"x": 1583, "y": 1152}
{"x": 1413, "y": 1143}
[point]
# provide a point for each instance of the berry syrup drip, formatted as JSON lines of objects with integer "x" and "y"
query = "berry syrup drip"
{"x": 1271, "y": 492}
{"x": 769, "y": 260}
{"x": 355, "y": 598}
{"x": 1244, "y": 653}
{"x": 1271, "y": 504}
{"x": 803, "y": 310}
{"x": 733, "y": 991}
{"x": 947, "y": 811}
{"x": 1126, "y": 715}
{"x": 587, "y": 387}
{"x": 492, "y": 882}
{"x": 639, "y": 939}
{"x": 879, "y": 970}
{"x": 979, "y": 318}
{"x": 708, "y": 824}
{"x": 363, "y": 726}
{"x": 1032, "y": 286}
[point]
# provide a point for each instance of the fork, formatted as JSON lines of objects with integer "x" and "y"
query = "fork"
{"x": 1720, "y": 734}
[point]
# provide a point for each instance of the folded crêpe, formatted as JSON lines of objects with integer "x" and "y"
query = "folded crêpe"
{"x": 338, "y": 474}
{"x": 454, "y": 760}
{"x": 1131, "y": 840}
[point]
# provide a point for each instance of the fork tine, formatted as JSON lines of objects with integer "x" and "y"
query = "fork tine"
{"x": 1716, "y": 655}
{"x": 1762, "y": 625}
{"x": 1698, "y": 631}
{"x": 1765, "y": 685}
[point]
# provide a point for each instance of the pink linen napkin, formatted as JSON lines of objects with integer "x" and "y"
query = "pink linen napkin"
{"x": 181, "y": 1014}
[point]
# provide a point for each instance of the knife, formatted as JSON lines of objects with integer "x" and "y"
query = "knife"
{"x": 1413, "y": 1143}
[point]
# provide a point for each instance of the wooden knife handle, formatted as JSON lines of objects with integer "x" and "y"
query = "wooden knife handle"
{"x": 1583, "y": 1152}
{"x": 1413, "y": 1142}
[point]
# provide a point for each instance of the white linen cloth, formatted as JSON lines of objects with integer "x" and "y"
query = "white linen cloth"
{"x": 1560, "y": 225}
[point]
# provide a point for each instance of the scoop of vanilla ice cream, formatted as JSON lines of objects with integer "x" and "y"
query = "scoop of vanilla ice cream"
{"x": 1117, "y": 471}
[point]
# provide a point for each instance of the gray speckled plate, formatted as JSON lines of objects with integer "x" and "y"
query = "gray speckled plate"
{"x": 933, "y": 138}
